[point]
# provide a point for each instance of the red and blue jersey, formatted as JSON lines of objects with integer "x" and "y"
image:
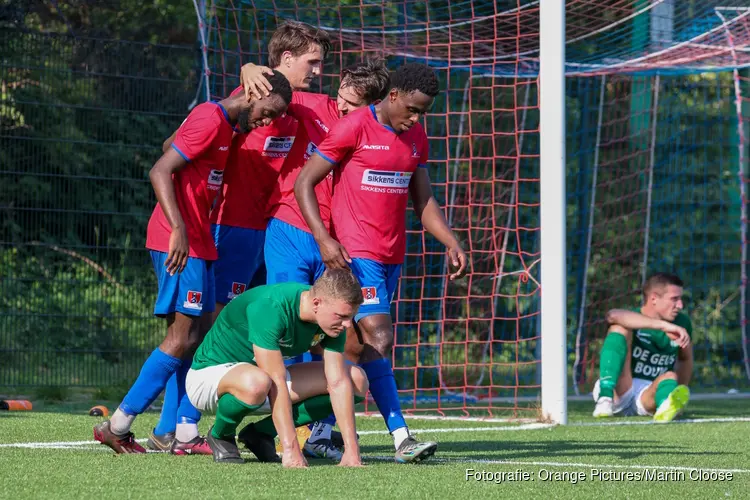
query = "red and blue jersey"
{"x": 316, "y": 114}
{"x": 203, "y": 140}
{"x": 371, "y": 183}
{"x": 250, "y": 180}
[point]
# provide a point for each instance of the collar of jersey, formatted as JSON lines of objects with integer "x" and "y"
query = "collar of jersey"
{"x": 226, "y": 116}
{"x": 375, "y": 117}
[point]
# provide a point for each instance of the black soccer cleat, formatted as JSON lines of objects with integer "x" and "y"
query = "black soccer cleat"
{"x": 224, "y": 450}
{"x": 160, "y": 442}
{"x": 261, "y": 445}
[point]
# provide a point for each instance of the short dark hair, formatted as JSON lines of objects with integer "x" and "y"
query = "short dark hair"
{"x": 296, "y": 37}
{"x": 416, "y": 76}
{"x": 660, "y": 280}
{"x": 281, "y": 86}
{"x": 370, "y": 79}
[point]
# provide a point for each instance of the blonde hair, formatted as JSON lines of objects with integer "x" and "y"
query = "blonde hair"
{"x": 339, "y": 284}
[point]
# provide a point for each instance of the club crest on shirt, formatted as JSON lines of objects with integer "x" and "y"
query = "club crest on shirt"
{"x": 237, "y": 289}
{"x": 317, "y": 339}
{"x": 414, "y": 152}
{"x": 370, "y": 294}
{"x": 193, "y": 300}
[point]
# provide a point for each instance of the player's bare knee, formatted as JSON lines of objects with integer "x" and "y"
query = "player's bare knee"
{"x": 381, "y": 339}
{"x": 666, "y": 376}
{"x": 253, "y": 386}
{"x": 359, "y": 379}
{"x": 618, "y": 330}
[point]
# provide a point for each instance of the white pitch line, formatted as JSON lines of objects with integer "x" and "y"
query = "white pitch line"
{"x": 651, "y": 422}
{"x": 522, "y": 427}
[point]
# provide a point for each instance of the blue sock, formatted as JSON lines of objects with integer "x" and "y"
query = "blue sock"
{"x": 150, "y": 382}
{"x": 186, "y": 413}
{"x": 384, "y": 392}
{"x": 168, "y": 418}
{"x": 330, "y": 419}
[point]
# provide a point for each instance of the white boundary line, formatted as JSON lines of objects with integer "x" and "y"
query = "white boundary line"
{"x": 522, "y": 427}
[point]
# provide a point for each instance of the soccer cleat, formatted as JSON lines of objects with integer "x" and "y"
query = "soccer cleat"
{"x": 261, "y": 445}
{"x": 119, "y": 443}
{"x": 224, "y": 450}
{"x": 196, "y": 446}
{"x": 673, "y": 405}
{"x": 322, "y": 448}
{"x": 160, "y": 442}
{"x": 412, "y": 451}
{"x": 338, "y": 440}
{"x": 604, "y": 407}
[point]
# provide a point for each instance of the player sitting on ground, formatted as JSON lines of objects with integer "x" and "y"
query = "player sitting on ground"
{"x": 239, "y": 216}
{"x": 637, "y": 373}
{"x": 290, "y": 251}
{"x": 186, "y": 180}
{"x": 241, "y": 362}
{"x": 379, "y": 155}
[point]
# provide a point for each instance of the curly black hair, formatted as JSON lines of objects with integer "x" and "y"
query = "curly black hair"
{"x": 281, "y": 86}
{"x": 416, "y": 76}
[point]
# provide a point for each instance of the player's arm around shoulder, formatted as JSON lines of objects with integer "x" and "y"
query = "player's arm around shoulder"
{"x": 342, "y": 392}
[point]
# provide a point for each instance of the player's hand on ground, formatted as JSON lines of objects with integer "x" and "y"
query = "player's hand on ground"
{"x": 677, "y": 333}
{"x": 253, "y": 81}
{"x": 459, "y": 261}
{"x": 293, "y": 460}
{"x": 334, "y": 254}
{"x": 178, "y": 251}
{"x": 351, "y": 459}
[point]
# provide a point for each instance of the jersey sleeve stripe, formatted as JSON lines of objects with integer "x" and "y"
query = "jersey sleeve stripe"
{"x": 181, "y": 153}
{"x": 422, "y": 165}
{"x": 332, "y": 162}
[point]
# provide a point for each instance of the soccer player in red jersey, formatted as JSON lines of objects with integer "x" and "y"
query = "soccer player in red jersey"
{"x": 290, "y": 251}
{"x": 186, "y": 180}
{"x": 379, "y": 156}
{"x": 239, "y": 216}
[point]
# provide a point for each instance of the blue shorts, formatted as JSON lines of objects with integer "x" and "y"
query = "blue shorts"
{"x": 240, "y": 257}
{"x": 379, "y": 282}
{"x": 291, "y": 254}
{"x": 190, "y": 292}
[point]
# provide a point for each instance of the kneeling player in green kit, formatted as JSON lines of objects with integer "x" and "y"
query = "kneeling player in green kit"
{"x": 647, "y": 357}
{"x": 241, "y": 362}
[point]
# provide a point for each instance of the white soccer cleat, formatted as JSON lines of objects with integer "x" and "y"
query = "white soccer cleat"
{"x": 604, "y": 408}
{"x": 673, "y": 405}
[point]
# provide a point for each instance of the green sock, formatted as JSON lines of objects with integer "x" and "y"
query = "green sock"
{"x": 305, "y": 412}
{"x": 229, "y": 414}
{"x": 611, "y": 359}
{"x": 665, "y": 387}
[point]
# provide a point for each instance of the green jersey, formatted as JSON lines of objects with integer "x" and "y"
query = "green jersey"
{"x": 266, "y": 316}
{"x": 654, "y": 352}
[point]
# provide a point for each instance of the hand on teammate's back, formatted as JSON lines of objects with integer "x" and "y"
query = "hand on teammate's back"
{"x": 178, "y": 251}
{"x": 253, "y": 81}
{"x": 458, "y": 260}
{"x": 334, "y": 254}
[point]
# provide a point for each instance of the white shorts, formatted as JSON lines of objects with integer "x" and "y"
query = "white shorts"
{"x": 629, "y": 404}
{"x": 202, "y": 387}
